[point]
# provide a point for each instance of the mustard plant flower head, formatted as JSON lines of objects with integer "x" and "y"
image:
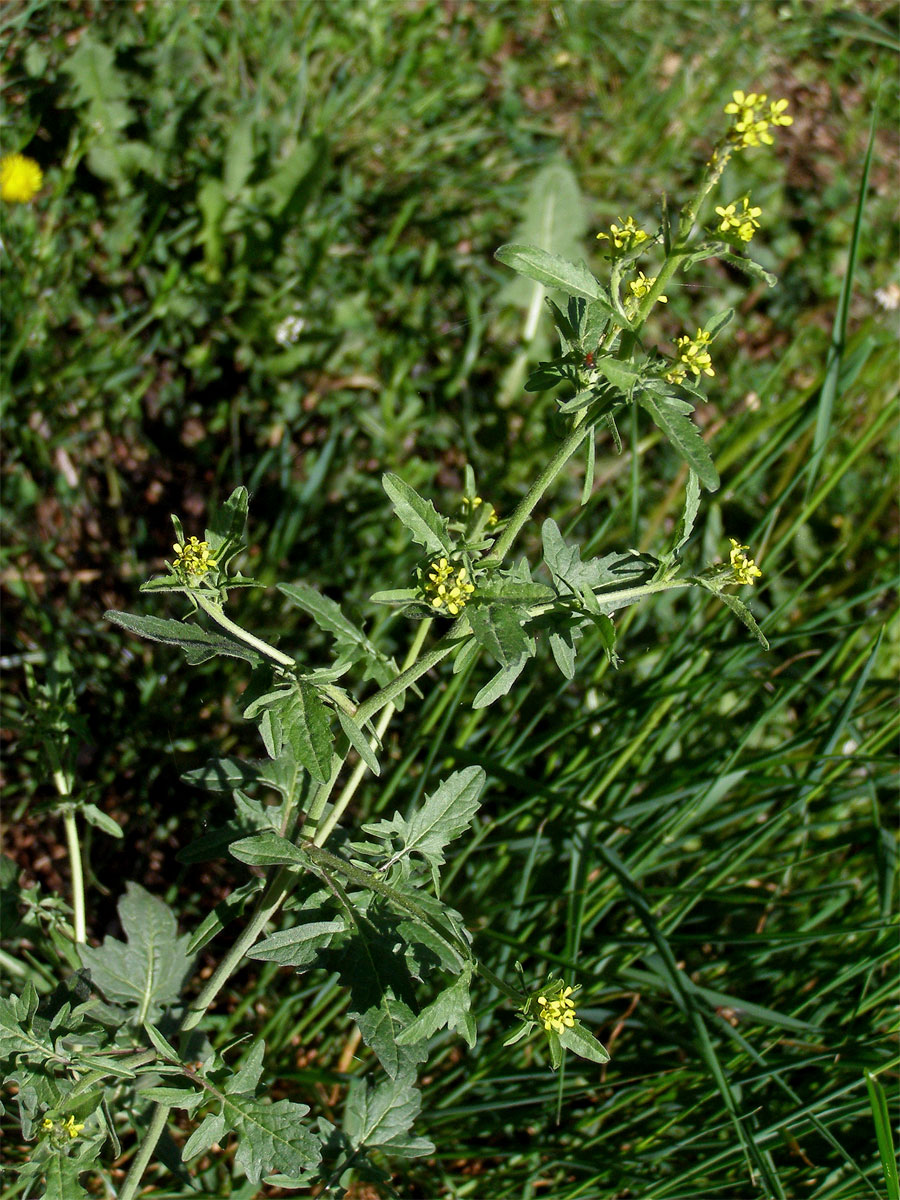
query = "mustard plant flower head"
{"x": 20, "y": 178}
{"x": 557, "y": 1013}
{"x": 447, "y": 587}
{"x": 625, "y": 236}
{"x": 641, "y": 286}
{"x": 193, "y": 558}
{"x": 739, "y": 220}
{"x": 69, "y": 1127}
{"x": 752, "y": 113}
{"x": 745, "y": 569}
{"x": 692, "y": 356}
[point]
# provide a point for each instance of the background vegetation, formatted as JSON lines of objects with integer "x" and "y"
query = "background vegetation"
{"x": 703, "y": 838}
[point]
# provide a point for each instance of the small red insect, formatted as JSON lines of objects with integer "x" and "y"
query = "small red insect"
{"x": 589, "y": 359}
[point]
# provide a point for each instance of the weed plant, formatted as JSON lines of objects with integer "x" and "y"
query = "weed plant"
{"x": 543, "y": 876}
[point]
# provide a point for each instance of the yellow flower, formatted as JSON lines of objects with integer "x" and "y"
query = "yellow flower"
{"x": 71, "y": 1128}
{"x": 469, "y": 506}
{"x": 750, "y": 124}
{"x": 778, "y": 115}
{"x": 20, "y": 178}
{"x": 557, "y": 1014}
{"x": 693, "y": 357}
{"x": 745, "y": 569}
{"x": 448, "y": 587}
{"x": 193, "y": 558}
{"x": 641, "y": 286}
{"x": 625, "y": 236}
{"x": 742, "y": 221}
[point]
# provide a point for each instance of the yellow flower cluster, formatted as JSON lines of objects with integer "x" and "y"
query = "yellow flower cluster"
{"x": 625, "y": 236}
{"x": 193, "y": 557}
{"x": 745, "y": 568}
{"x": 448, "y": 587}
{"x": 20, "y": 178}
{"x": 469, "y": 506}
{"x": 558, "y": 1014}
{"x": 69, "y": 1126}
{"x": 641, "y": 286}
{"x": 693, "y": 356}
{"x": 751, "y": 118}
{"x": 743, "y": 220}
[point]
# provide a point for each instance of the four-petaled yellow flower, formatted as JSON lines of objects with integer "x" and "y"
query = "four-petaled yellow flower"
{"x": 641, "y": 286}
{"x": 193, "y": 557}
{"x": 20, "y": 178}
{"x": 625, "y": 236}
{"x": 448, "y": 587}
{"x": 742, "y": 220}
{"x": 693, "y": 356}
{"x": 69, "y": 1126}
{"x": 557, "y": 1014}
{"x": 745, "y": 569}
{"x": 751, "y": 118}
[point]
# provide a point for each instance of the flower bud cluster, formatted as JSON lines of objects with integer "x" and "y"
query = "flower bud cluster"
{"x": 469, "y": 506}
{"x": 69, "y": 1127}
{"x": 557, "y": 1014}
{"x": 693, "y": 356}
{"x": 193, "y": 558}
{"x": 745, "y": 569}
{"x": 624, "y": 237}
{"x": 448, "y": 587}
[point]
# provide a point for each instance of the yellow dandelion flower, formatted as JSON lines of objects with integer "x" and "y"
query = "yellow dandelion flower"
{"x": 20, "y": 178}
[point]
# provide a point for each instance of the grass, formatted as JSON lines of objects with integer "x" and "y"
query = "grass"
{"x": 702, "y": 838}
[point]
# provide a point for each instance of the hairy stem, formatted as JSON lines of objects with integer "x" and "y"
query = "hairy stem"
{"x": 531, "y": 498}
{"x": 145, "y": 1152}
{"x": 73, "y": 842}
{"x": 322, "y": 833}
{"x": 215, "y": 611}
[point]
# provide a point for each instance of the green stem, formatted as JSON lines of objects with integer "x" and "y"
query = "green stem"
{"x": 74, "y": 846}
{"x": 142, "y": 1158}
{"x": 688, "y": 216}
{"x": 323, "y": 831}
{"x": 619, "y": 598}
{"x": 277, "y": 891}
{"x": 531, "y": 498}
{"x": 407, "y": 678}
{"x": 498, "y": 983}
{"x": 215, "y": 611}
{"x": 284, "y": 880}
